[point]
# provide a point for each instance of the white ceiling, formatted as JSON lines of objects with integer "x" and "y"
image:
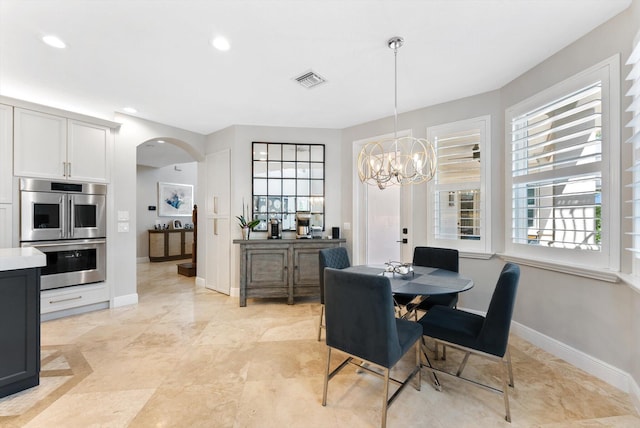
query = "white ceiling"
{"x": 156, "y": 55}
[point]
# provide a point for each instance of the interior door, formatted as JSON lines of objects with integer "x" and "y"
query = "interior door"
{"x": 382, "y": 219}
{"x": 217, "y": 225}
{"x": 383, "y": 225}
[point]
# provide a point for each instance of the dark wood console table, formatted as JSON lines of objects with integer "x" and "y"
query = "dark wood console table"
{"x": 170, "y": 244}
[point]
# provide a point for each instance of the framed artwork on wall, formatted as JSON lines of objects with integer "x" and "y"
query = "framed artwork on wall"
{"x": 175, "y": 199}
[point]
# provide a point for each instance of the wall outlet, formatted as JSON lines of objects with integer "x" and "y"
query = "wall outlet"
{"x": 346, "y": 226}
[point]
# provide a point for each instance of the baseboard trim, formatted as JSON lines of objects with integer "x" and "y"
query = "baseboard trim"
{"x": 200, "y": 282}
{"x": 591, "y": 365}
{"x": 595, "y": 367}
{"x": 142, "y": 260}
{"x": 129, "y": 299}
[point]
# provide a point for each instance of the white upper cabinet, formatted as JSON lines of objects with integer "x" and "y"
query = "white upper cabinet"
{"x": 49, "y": 146}
{"x": 6, "y": 153}
{"x": 87, "y": 156}
{"x": 40, "y": 144}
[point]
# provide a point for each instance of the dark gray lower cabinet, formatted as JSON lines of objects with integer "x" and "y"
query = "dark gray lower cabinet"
{"x": 281, "y": 267}
{"x": 19, "y": 330}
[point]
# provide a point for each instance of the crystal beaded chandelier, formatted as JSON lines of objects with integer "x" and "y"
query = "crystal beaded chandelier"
{"x": 396, "y": 161}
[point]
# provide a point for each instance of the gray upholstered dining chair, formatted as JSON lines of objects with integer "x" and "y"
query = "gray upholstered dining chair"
{"x": 336, "y": 258}
{"x": 361, "y": 322}
{"x": 486, "y": 336}
{"x": 434, "y": 257}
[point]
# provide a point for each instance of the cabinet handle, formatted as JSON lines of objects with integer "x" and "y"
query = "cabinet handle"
{"x": 64, "y": 169}
{"x": 215, "y": 226}
{"x": 65, "y": 300}
{"x": 215, "y": 205}
{"x": 69, "y": 163}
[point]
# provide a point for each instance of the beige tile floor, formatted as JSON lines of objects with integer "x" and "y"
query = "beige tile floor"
{"x": 190, "y": 357}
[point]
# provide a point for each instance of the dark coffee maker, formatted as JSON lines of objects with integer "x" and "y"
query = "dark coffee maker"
{"x": 274, "y": 231}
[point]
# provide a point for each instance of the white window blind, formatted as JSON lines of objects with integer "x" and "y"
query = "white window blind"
{"x": 556, "y": 156}
{"x": 458, "y": 208}
{"x": 634, "y": 124}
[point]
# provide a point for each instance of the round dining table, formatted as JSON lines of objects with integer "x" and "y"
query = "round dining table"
{"x": 420, "y": 281}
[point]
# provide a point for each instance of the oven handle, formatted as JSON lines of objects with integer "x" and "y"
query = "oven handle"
{"x": 59, "y": 244}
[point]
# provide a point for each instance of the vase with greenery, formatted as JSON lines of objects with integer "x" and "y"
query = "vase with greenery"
{"x": 245, "y": 225}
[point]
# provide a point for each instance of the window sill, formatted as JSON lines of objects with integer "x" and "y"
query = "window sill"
{"x": 632, "y": 280}
{"x": 599, "y": 274}
{"x": 472, "y": 255}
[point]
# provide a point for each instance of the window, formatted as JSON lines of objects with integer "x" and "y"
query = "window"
{"x": 562, "y": 189}
{"x": 287, "y": 178}
{"x": 634, "y": 124}
{"x": 459, "y": 210}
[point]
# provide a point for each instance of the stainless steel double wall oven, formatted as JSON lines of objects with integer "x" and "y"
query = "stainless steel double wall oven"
{"x": 67, "y": 222}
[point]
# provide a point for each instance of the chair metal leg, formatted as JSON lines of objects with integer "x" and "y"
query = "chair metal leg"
{"x": 463, "y": 364}
{"x": 436, "y": 382}
{"x": 385, "y": 398}
{"x": 320, "y": 323}
{"x": 508, "y": 355}
{"x": 326, "y": 378}
{"x": 505, "y": 391}
{"x": 419, "y": 365}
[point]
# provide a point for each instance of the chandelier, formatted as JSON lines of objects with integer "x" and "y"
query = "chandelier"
{"x": 397, "y": 160}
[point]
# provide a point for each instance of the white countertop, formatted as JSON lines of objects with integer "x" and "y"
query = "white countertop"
{"x": 21, "y": 258}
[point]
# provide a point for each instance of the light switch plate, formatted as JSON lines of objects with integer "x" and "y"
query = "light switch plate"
{"x": 123, "y": 215}
{"x": 346, "y": 226}
{"x": 123, "y": 227}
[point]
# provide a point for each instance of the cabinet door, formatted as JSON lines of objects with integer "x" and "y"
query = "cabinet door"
{"x": 6, "y": 223}
{"x": 174, "y": 243}
{"x": 6, "y": 154}
{"x": 156, "y": 245}
{"x": 88, "y": 151}
{"x": 188, "y": 242}
{"x": 267, "y": 268}
{"x": 20, "y": 344}
{"x": 39, "y": 145}
{"x": 306, "y": 266}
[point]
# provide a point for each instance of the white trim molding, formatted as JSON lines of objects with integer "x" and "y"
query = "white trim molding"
{"x": 595, "y": 367}
{"x": 128, "y": 299}
{"x": 599, "y": 274}
{"x": 598, "y": 368}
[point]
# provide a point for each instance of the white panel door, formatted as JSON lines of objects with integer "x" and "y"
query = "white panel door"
{"x": 218, "y": 222}
{"x": 383, "y": 225}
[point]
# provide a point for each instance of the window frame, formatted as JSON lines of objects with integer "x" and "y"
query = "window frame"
{"x": 318, "y": 216}
{"x": 634, "y": 125}
{"x": 608, "y": 72}
{"x": 484, "y": 244}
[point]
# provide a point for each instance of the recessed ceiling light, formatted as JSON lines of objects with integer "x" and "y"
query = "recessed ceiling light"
{"x": 54, "y": 42}
{"x": 221, "y": 43}
{"x": 129, "y": 110}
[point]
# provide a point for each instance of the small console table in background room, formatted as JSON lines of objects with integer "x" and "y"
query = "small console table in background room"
{"x": 281, "y": 267}
{"x": 170, "y": 244}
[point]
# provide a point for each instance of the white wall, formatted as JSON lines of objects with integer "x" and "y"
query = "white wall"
{"x": 239, "y": 138}
{"x": 147, "y": 191}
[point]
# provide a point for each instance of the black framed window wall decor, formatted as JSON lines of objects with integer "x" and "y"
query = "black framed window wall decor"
{"x": 287, "y": 178}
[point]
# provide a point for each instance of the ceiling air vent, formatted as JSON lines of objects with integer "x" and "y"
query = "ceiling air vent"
{"x": 310, "y": 79}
